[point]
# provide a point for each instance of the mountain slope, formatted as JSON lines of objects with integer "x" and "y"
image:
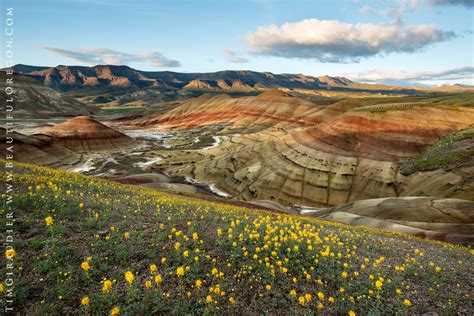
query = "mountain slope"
{"x": 32, "y": 98}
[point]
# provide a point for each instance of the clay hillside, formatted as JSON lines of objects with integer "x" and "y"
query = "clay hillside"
{"x": 84, "y": 134}
{"x": 278, "y": 147}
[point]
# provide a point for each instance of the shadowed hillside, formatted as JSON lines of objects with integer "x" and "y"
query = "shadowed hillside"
{"x": 33, "y": 99}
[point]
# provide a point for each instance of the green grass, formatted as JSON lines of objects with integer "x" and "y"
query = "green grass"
{"x": 459, "y": 99}
{"x": 447, "y": 150}
{"x": 122, "y": 109}
{"x": 249, "y": 261}
{"x": 390, "y": 107}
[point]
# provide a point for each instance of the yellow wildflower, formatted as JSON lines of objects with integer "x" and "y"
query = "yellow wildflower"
{"x": 10, "y": 253}
{"x": 180, "y": 271}
{"x": 325, "y": 253}
{"x": 378, "y": 285}
{"x": 85, "y": 266}
{"x": 85, "y": 300}
{"x": 129, "y": 277}
{"x": 48, "y": 220}
{"x": 301, "y": 300}
{"x": 106, "y": 286}
{"x": 158, "y": 279}
{"x": 198, "y": 283}
{"x": 115, "y": 311}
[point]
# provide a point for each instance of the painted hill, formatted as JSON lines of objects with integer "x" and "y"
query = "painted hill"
{"x": 34, "y": 150}
{"x": 140, "y": 251}
{"x": 278, "y": 147}
{"x": 270, "y": 107}
{"x": 84, "y": 134}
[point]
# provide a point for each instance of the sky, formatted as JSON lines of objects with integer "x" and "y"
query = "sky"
{"x": 404, "y": 42}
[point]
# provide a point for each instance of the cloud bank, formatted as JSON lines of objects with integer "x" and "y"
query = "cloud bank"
{"x": 337, "y": 42}
{"x": 454, "y": 75}
{"x": 107, "y": 56}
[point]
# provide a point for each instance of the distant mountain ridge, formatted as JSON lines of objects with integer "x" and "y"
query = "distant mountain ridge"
{"x": 70, "y": 77}
{"x": 124, "y": 77}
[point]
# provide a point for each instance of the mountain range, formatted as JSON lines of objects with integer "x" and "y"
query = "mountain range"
{"x": 72, "y": 77}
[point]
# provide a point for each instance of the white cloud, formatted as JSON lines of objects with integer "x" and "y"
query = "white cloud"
{"x": 335, "y": 41}
{"x": 233, "y": 57}
{"x": 455, "y": 75}
{"x": 107, "y": 56}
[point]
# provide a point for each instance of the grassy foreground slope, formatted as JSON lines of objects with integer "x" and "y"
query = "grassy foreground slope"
{"x": 117, "y": 248}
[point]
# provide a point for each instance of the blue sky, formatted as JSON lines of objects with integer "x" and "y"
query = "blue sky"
{"x": 432, "y": 42}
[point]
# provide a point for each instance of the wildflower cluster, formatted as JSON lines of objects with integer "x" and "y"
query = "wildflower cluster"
{"x": 113, "y": 249}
